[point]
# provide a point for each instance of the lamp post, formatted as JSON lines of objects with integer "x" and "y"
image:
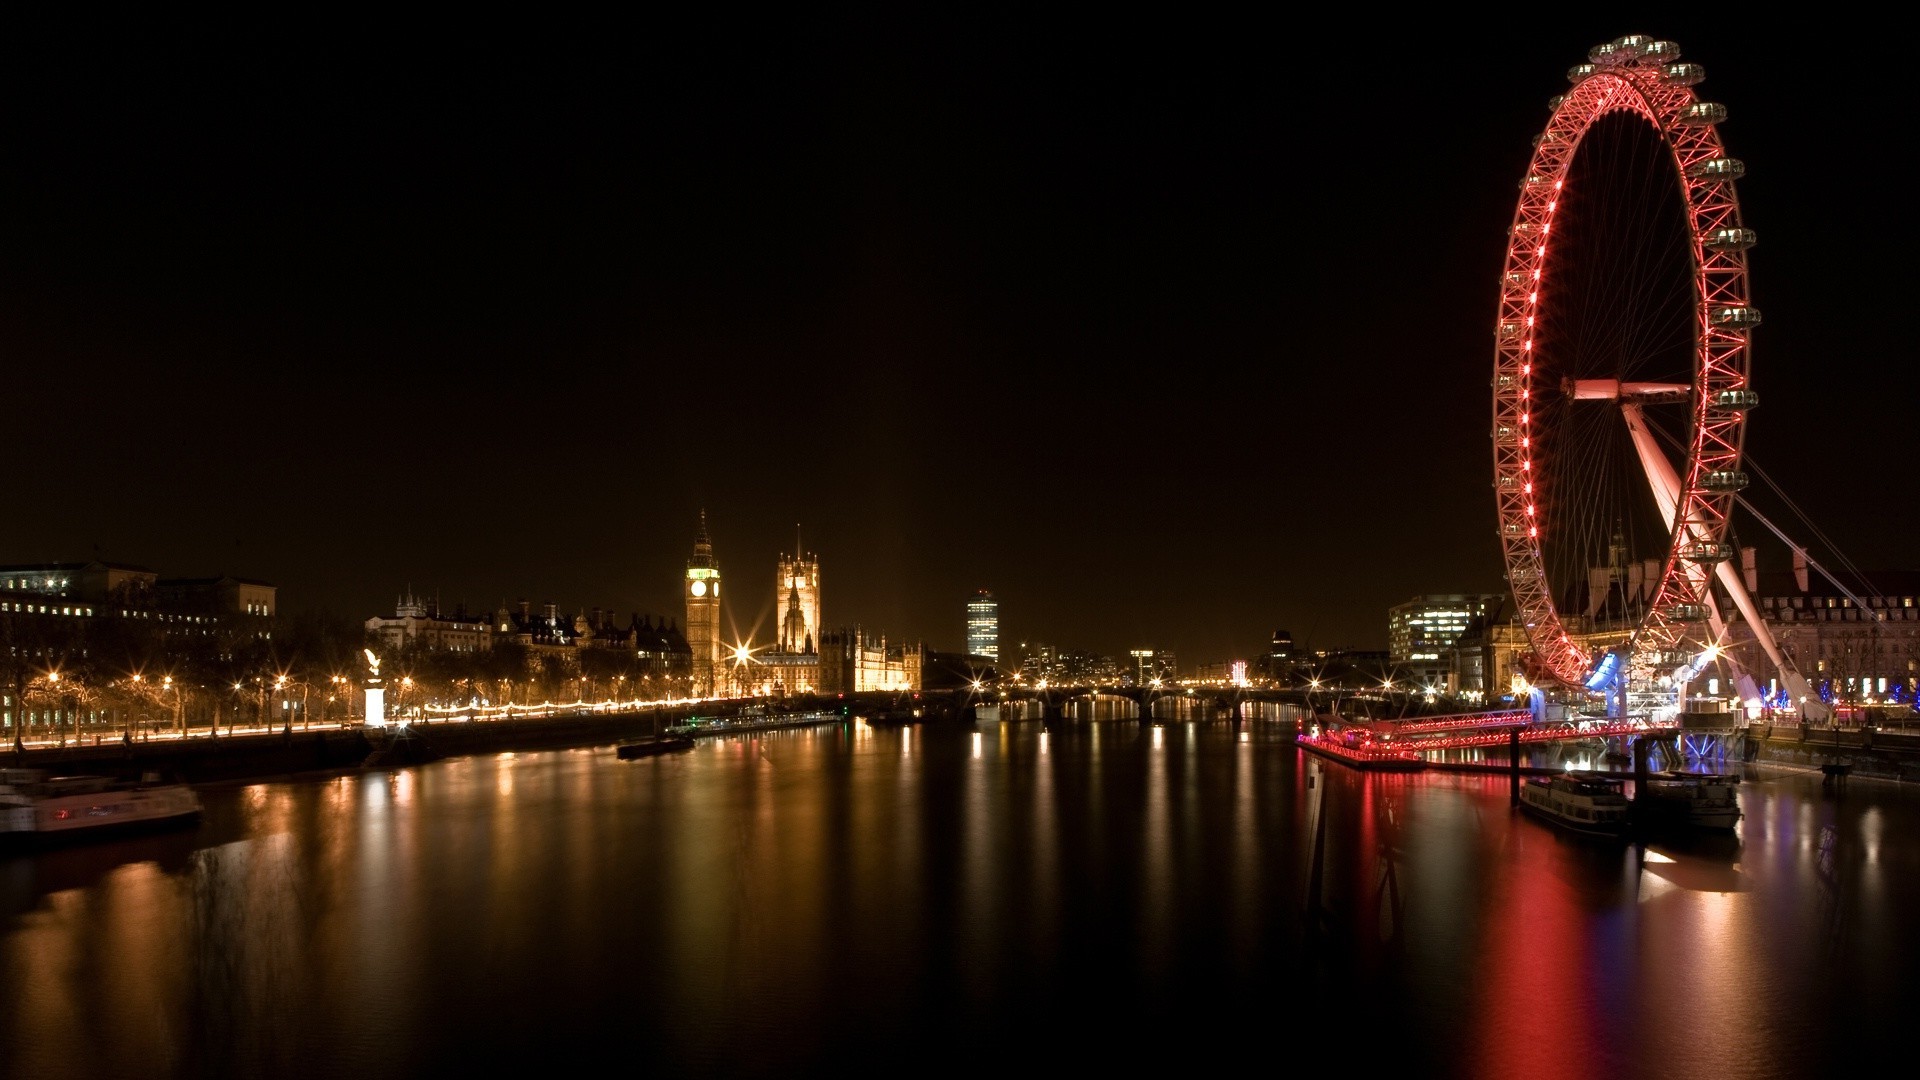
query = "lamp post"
{"x": 126, "y": 722}
{"x": 59, "y": 708}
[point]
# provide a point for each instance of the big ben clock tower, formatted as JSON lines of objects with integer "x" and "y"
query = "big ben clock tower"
{"x": 703, "y": 612}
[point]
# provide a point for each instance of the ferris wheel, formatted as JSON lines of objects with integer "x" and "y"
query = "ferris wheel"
{"x": 1622, "y": 368}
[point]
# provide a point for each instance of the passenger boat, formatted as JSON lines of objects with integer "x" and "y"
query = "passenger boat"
{"x": 1696, "y": 800}
{"x": 37, "y": 806}
{"x": 1581, "y": 801}
{"x": 652, "y": 745}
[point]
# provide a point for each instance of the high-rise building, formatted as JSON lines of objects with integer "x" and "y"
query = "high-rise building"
{"x": 1151, "y": 664}
{"x": 703, "y": 612}
{"x": 1421, "y": 631}
{"x": 983, "y": 625}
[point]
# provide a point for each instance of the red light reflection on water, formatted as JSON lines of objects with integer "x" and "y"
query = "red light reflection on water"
{"x": 1540, "y": 1012}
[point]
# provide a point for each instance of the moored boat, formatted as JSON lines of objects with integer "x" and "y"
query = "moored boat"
{"x": 36, "y": 805}
{"x": 653, "y": 745}
{"x": 1695, "y": 800}
{"x": 1581, "y": 801}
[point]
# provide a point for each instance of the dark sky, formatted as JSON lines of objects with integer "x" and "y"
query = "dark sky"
{"x": 1169, "y": 332}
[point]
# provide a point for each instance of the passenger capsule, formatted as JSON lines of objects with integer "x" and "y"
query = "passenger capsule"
{"x": 1687, "y": 612}
{"x": 1720, "y": 168}
{"x": 1631, "y": 46}
{"x": 1580, "y": 71}
{"x": 1724, "y": 480}
{"x": 1736, "y": 400}
{"x": 1729, "y": 239}
{"x": 1517, "y": 279}
{"x": 1603, "y": 53}
{"x": 1706, "y": 551}
{"x": 1524, "y": 229}
{"x": 1683, "y": 74}
{"x": 1537, "y": 180}
{"x": 1703, "y": 114}
{"x": 1505, "y": 434}
{"x": 1509, "y": 330}
{"x": 1553, "y": 103}
{"x": 1736, "y": 317}
{"x": 1663, "y": 51}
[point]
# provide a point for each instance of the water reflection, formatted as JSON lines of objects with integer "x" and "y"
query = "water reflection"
{"x": 841, "y": 896}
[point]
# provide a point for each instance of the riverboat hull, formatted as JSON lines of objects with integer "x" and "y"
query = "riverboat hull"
{"x": 1580, "y": 803}
{"x": 37, "y": 808}
{"x": 653, "y": 747}
{"x": 1707, "y": 801}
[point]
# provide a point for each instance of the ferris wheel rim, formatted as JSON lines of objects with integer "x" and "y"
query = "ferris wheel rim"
{"x": 1631, "y": 74}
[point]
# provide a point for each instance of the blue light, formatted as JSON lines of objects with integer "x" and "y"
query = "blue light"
{"x": 1604, "y": 671}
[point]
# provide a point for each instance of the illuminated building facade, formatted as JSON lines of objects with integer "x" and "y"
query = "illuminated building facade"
{"x": 983, "y": 625}
{"x": 853, "y": 661}
{"x": 1422, "y": 631}
{"x": 88, "y": 613}
{"x": 1864, "y": 653}
{"x": 792, "y": 666}
{"x": 119, "y": 590}
{"x": 797, "y": 586}
{"x": 417, "y": 624}
{"x": 703, "y": 614}
{"x": 657, "y": 647}
{"x": 1151, "y": 664}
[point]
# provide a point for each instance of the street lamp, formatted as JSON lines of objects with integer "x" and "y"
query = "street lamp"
{"x": 126, "y": 726}
{"x": 179, "y": 714}
{"x": 59, "y": 708}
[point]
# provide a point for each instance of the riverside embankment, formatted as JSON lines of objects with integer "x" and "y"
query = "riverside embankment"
{"x": 258, "y": 755}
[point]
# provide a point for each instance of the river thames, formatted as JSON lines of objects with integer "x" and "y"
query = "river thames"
{"x": 1088, "y": 895}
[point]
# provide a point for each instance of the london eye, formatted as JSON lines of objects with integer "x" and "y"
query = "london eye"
{"x": 1622, "y": 376}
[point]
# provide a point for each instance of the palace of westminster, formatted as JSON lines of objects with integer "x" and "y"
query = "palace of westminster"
{"x": 806, "y": 658}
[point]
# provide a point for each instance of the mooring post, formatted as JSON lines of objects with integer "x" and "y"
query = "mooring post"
{"x": 1513, "y": 760}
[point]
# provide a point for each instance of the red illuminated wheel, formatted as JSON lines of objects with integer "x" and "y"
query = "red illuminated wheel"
{"x": 1621, "y": 364}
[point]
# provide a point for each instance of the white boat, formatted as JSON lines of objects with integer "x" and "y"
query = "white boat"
{"x": 37, "y": 805}
{"x": 1699, "y": 800}
{"x": 1581, "y": 801}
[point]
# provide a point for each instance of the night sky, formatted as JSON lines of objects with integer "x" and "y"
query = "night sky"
{"x": 1169, "y": 333}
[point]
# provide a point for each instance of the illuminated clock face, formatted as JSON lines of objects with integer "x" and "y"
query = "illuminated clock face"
{"x": 699, "y": 588}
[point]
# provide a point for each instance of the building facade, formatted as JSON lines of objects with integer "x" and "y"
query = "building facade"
{"x": 562, "y": 638}
{"x": 853, "y": 661}
{"x": 797, "y": 586}
{"x": 983, "y": 625}
{"x": 417, "y": 624}
{"x": 1421, "y": 633}
{"x": 792, "y": 666}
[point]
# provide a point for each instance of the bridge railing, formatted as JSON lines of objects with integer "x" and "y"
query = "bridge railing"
{"x": 1504, "y": 718}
